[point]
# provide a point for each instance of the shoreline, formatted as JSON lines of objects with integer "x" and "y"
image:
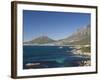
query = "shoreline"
{"x": 75, "y": 50}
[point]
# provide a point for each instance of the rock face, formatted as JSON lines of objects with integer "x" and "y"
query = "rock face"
{"x": 80, "y": 37}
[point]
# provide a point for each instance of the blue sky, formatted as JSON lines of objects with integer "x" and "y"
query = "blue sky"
{"x": 56, "y": 25}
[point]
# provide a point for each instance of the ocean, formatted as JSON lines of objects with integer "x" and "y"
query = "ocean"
{"x": 35, "y": 57}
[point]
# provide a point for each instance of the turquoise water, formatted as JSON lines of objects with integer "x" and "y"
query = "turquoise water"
{"x": 50, "y": 57}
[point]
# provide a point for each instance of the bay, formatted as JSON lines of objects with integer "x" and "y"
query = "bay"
{"x": 35, "y": 57}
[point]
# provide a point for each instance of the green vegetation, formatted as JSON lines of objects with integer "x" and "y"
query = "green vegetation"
{"x": 86, "y": 49}
{"x": 42, "y": 40}
{"x": 84, "y": 41}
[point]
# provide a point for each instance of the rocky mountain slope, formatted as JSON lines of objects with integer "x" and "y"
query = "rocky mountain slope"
{"x": 80, "y": 37}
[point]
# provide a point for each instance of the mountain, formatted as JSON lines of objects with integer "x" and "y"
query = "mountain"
{"x": 80, "y": 37}
{"x": 40, "y": 40}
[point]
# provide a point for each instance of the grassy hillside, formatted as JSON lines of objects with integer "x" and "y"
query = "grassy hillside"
{"x": 41, "y": 40}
